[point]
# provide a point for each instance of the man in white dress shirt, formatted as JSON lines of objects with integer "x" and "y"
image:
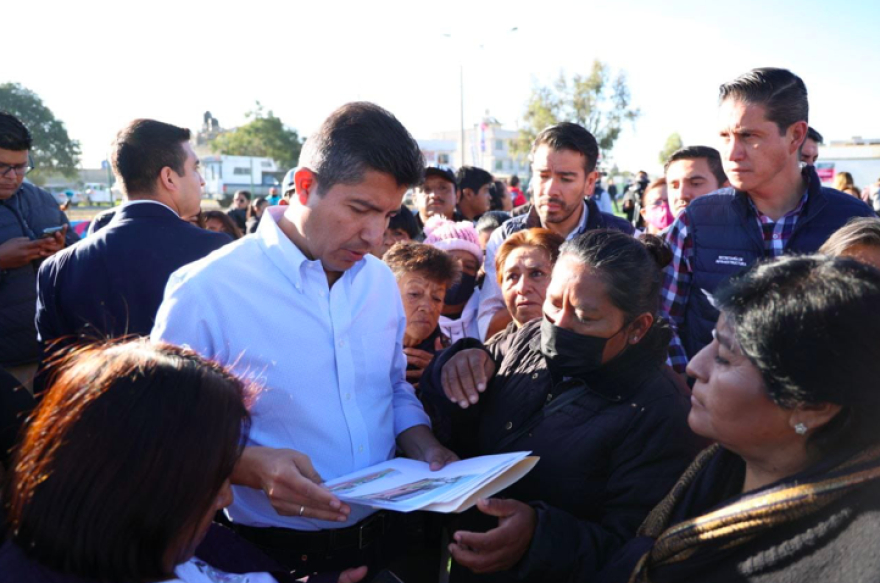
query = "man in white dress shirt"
{"x": 304, "y": 310}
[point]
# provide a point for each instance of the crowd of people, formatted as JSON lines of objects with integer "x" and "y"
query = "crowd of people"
{"x": 695, "y": 371}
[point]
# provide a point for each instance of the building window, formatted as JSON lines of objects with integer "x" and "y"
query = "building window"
{"x": 238, "y": 171}
{"x": 498, "y": 164}
{"x": 499, "y": 145}
{"x": 443, "y": 158}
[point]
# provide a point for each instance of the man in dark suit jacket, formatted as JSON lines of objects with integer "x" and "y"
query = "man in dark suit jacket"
{"x": 112, "y": 283}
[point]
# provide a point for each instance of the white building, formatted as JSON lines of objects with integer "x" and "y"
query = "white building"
{"x": 860, "y": 157}
{"x": 487, "y": 146}
{"x": 439, "y": 152}
{"x": 224, "y": 175}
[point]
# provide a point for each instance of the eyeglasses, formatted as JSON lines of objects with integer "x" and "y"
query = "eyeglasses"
{"x": 19, "y": 169}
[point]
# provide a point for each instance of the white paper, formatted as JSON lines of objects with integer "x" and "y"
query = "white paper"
{"x": 406, "y": 485}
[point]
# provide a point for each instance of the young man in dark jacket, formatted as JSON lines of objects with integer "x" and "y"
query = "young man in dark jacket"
{"x": 773, "y": 207}
{"x": 564, "y": 160}
{"x": 111, "y": 284}
{"x": 25, "y": 212}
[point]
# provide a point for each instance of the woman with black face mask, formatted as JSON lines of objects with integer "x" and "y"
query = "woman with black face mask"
{"x": 586, "y": 388}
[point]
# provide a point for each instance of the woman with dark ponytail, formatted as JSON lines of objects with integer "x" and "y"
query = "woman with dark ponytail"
{"x": 586, "y": 388}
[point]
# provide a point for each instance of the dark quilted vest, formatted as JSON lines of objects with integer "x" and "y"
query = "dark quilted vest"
{"x": 727, "y": 238}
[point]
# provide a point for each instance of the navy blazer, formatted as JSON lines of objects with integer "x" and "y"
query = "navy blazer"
{"x": 112, "y": 283}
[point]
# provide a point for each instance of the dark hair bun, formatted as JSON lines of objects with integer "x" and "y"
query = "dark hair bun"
{"x": 658, "y": 249}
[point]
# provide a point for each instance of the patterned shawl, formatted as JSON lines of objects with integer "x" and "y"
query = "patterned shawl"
{"x": 747, "y": 517}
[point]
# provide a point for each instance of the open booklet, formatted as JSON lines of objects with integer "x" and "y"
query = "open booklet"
{"x": 406, "y": 485}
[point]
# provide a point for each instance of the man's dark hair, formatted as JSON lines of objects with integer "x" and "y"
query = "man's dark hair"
{"x": 126, "y": 455}
{"x": 570, "y": 136}
{"x": 782, "y": 94}
{"x": 358, "y": 137}
{"x": 142, "y": 149}
{"x": 491, "y": 220}
{"x": 472, "y": 177}
{"x": 406, "y": 222}
{"x": 830, "y": 305}
{"x": 496, "y": 194}
{"x": 514, "y": 181}
{"x": 812, "y": 134}
{"x": 711, "y": 155}
{"x": 13, "y": 134}
{"x": 245, "y": 193}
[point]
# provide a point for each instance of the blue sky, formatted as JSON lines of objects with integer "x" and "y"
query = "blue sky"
{"x": 99, "y": 64}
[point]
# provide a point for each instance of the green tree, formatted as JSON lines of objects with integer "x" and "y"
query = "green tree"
{"x": 53, "y": 150}
{"x": 264, "y": 135}
{"x": 598, "y": 101}
{"x": 673, "y": 143}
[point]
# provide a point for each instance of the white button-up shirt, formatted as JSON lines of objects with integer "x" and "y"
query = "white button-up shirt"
{"x": 330, "y": 360}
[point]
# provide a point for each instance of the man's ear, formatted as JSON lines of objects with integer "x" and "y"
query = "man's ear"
{"x": 168, "y": 179}
{"x": 798, "y": 134}
{"x": 590, "y": 183}
{"x": 306, "y": 185}
{"x": 469, "y": 192}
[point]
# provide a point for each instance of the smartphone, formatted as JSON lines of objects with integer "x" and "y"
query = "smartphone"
{"x": 50, "y": 231}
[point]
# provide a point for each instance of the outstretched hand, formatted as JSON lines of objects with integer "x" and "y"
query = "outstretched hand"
{"x": 419, "y": 443}
{"x": 466, "y": 375}
{"x": 502, "y": 547}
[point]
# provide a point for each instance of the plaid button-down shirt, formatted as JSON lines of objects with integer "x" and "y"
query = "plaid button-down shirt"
{"x": 678, "y": 275}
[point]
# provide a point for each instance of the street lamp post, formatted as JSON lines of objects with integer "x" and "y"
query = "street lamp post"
{"x": 461, "y": 94}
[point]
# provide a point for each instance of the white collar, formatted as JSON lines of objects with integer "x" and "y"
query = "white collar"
{"x": 148, "y": 201}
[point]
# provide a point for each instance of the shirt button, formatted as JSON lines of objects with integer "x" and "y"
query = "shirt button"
{"x": 361, "y": 449}
{"x": 348, "y": 397}
{"x": 509, "y": 425}
{"x": 342, "y": 343}
{"x": 534, "y": 376}
{"x": 549, "y": 397}
{"x": 775, "y": 236}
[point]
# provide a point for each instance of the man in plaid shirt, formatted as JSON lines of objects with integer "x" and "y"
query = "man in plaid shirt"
{"x": 773, "y": 206}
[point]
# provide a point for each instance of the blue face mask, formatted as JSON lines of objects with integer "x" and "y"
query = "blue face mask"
{"x": 461, "y": 291}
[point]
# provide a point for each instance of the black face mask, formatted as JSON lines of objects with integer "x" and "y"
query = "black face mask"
{"x": 461, "y": 291}
{"x": 570, "y": 354}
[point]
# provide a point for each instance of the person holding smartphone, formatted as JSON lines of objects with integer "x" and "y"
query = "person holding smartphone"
{"x": 32, "y": 227}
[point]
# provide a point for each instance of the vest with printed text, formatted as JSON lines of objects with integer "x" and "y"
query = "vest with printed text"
{"x": 727, "y": 238}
